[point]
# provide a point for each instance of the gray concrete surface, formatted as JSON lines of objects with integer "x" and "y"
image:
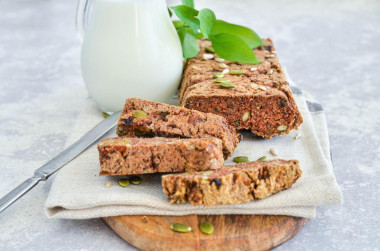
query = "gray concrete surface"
{"x": 330, "y": 49}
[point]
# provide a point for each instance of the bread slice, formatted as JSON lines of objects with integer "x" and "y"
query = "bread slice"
{"x": 142, "y": 118}
{"x": 261, "y": 100}
{"x": 233, "y": 184}
{"x": 125, "y": 156}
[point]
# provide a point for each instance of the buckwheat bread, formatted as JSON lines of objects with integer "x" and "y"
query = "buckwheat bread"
{"x": 144, "y": 118}
{"x": 261, "y": 102}
{"x": 233, "y": 184}
{"x": 125, "y": 156}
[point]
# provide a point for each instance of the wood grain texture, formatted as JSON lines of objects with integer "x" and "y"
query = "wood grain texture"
{"x": 232, "y": 232}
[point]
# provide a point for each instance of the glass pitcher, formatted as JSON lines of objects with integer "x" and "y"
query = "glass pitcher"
{"x": 130, "y": 49}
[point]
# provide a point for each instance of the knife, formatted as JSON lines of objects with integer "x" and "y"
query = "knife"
{"x": 52, "y": 166}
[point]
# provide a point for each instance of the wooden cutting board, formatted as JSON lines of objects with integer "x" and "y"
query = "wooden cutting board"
{"x": 232, "y": 232}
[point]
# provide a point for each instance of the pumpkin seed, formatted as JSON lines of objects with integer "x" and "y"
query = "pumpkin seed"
{"x": 241, "y": 159}
{"x": 236, "y": 72}
{"x": 179, "y": 227}
{"x": 227, "y": 85}
{"x": 105, "y": 115}
{"x": 219, "y": 60}
{"x": 205, "y": 178}
{"x": 124, "y": 182}
{"x": 120, "y": 129}
{"x": 246, "y": 116}
{"x": 210, "y": 49}
{"x": 207, "y": 227}
{"x": 135, "y": 180}
{"x": 108, "y": 184}
{"x": 138, "y": 114}
{"x": 218, "y": 75}
{"x": 282, "y": 128}
{"x": 221, "y": 80}
{"x": 262, "y": 158}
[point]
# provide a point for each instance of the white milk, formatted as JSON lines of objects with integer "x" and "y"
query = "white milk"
{"x": 130, "y": 49}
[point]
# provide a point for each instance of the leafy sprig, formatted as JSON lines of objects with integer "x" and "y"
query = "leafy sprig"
{"x": 230, "y": 41}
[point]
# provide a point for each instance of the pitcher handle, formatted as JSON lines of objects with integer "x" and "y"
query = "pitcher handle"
{"x": 82, "y": 17}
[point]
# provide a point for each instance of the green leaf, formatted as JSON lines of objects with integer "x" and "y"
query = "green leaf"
{"x": 244, "y": 33}
{"x": 233, "y": 48}
{"x": 178, "y": 24}
{"x": 189, "y": 3}
{"x": 170, "y": 12}
{"x": 206, "y": 19}
{"x": 187, "y": 15}
{"x": 190, "y": 47}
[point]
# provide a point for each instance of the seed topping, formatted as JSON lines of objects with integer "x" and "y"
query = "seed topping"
{"x": 207, "y": 56}
{"x": 227, "y": 85}
{"x": 218, "y": 75}
{"x": 236, "y": 72}
{"x": 223, "y": 65}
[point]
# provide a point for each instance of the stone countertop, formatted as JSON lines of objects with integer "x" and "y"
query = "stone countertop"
{"x": 330, "y": 49}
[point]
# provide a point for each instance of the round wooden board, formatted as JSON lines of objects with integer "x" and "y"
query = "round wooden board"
{"x": 232, "y": 232}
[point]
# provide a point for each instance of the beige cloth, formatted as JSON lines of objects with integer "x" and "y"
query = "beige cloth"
{"x": 78, "y": 192}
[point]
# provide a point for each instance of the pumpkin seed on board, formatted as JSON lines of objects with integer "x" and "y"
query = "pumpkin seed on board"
{"x": 181, "y": 228}
{"x": 207, "y": 227}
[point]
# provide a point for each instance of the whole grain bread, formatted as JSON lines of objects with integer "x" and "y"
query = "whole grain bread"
{"x": 261, "y": 102}
{"x": 125, "y": 156}
{"x": 233, "y": 184}
{"x": 144, "y": 118}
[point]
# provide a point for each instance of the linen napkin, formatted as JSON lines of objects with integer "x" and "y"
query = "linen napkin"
{"x": 78, "y": 192}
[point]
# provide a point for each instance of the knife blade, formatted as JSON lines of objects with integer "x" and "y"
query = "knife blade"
{"x": 53, "y": 165}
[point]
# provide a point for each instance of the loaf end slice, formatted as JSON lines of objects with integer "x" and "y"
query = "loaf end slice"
{"x": 125, "y": 156}
{"x": 261, "y": 101}
{"x": 233, "y": 184}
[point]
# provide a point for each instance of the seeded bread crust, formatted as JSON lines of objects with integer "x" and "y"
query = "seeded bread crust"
{"x": 125, "y": 156}
{"x": 173, "y": 121}
{"x": 262, "y": 93}
{"x": 234, "y": 184}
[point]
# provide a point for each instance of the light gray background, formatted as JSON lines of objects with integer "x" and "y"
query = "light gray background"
{"x": 330, "y": 49}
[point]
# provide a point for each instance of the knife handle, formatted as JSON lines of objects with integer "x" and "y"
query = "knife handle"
{"x": 18, "y": 192}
